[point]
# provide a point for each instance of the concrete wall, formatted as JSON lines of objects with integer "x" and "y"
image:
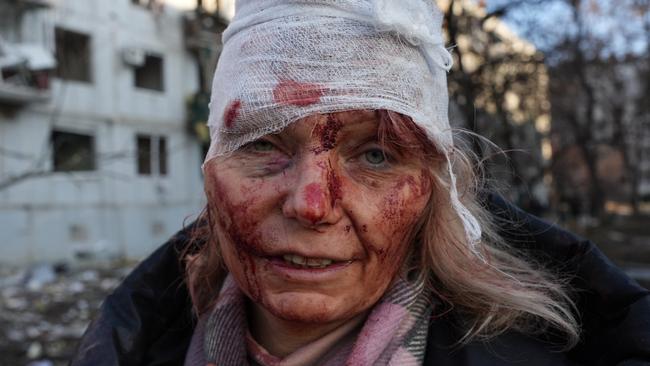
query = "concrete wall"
{"x": 111, "y": 209}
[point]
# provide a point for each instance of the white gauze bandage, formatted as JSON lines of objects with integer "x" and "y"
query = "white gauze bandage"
{"x": 283, "y": 60}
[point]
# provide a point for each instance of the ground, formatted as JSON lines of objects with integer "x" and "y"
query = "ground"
{"x": 44, "y": 310}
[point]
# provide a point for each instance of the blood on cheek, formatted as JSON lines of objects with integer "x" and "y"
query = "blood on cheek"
{"x": 238, "y": 225}
{"x": 399, "y": 211}
{"x": 334, "y": 187}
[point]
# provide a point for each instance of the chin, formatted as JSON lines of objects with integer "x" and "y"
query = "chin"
{"x": 309, "y": 307}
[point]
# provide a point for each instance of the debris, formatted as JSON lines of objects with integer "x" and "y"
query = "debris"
{"x": 76, "y": 287}
{"x": 45, "y": 309}
{"x": 35, "y": 350}
{"x": 89, "y": 276}
{"x": 39, "y": 276}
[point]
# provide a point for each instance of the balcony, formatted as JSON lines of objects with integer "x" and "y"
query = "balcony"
{"x": 24, "y": 73}
{"x": 18, "y": 94}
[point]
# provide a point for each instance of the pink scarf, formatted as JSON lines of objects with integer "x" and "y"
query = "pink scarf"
{"x": 394, "y": 333}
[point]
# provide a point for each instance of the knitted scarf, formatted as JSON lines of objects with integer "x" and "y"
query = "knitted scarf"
{"x": 395, "y": 332}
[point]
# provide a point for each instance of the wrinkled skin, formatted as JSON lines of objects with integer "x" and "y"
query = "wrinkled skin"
{"x": 324, "y": 187}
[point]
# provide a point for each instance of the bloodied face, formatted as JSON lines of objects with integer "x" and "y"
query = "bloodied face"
{"x": 315, "y": 222}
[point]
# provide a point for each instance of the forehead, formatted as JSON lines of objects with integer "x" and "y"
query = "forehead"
{"x": 335, "y": 122}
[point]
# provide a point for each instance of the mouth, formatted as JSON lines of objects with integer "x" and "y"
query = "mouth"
{"x": 300, "y": 262}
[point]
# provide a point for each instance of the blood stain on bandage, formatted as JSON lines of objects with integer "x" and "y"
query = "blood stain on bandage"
{"x": 289, "y": 92}
{"x": 231, "y": 113}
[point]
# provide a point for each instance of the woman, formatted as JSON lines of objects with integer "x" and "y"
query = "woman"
{"x": 330, "y": 186}
{"x": 336, "y": 227}
{"x": 343, "y": 224}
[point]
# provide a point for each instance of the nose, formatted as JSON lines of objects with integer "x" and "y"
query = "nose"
{"x": 315, "y": 197}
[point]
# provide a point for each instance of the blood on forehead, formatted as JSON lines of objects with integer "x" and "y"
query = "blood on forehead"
{"x": 327, "y": 133}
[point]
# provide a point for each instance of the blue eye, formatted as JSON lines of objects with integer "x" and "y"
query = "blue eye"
{"x": 375, "y": 156}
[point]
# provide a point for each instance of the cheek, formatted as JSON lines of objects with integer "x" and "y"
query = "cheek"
{"x": 399, "y": 210}
{"x": 234, "y": 211}
{"x": 236, "y": 216}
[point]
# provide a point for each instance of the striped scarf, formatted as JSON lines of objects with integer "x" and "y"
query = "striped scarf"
{"x": 395, "y": 332}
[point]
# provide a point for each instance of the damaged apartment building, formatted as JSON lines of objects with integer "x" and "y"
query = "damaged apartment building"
{"x": 98, "y": 156}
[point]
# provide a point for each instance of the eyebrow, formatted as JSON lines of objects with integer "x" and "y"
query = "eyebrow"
{"x": 345, "y": 127}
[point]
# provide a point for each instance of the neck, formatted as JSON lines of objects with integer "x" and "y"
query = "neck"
{"x": 282, "y": 337}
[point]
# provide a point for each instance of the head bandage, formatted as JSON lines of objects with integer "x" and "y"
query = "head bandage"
{"x": 283, "y": 60}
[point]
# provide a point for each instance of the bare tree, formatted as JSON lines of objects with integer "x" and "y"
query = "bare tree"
{"x": 498, "y": 86}
{"x": 590, "y": 102}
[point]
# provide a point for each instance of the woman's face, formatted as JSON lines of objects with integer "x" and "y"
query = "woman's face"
{"x": 314, "y": 222}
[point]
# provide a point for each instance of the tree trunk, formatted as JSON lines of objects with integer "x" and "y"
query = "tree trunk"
{"x": 465, "y": 81}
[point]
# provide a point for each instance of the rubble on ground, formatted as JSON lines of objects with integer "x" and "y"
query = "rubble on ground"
{"x": 45, "y": 308}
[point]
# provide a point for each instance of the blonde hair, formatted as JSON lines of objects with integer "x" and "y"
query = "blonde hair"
{"x": 497, "y": 290}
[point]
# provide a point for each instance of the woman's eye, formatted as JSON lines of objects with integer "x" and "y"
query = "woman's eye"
{"x": 375, "y": 156}
{"x": 262, "y": 145}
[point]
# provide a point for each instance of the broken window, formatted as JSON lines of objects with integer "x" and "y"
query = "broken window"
{"x": 72, "y": 55}
{"x": 72, "y": 152}
{"x": 150, "y": 74}
{"x": 151, "y": 155}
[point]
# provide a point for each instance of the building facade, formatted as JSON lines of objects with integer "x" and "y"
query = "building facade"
{"x": 96, "y": 157}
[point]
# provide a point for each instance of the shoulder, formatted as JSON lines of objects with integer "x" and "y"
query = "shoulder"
{"x": 509, "y": 348}
{"x": 613, "y": 309}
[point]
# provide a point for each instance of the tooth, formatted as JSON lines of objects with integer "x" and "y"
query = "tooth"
{"x": 318, "y": 262}
{"x": 307, "y": 262}
{"x": 287, "y": 257}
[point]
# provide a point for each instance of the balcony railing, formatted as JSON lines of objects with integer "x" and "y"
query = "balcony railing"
{"x": 18, "y": 94}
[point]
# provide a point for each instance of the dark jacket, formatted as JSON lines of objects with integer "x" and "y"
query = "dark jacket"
{"x": 147, "y": 320}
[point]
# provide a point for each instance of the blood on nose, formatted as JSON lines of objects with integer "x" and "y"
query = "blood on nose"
{"x": 315, "y": 203}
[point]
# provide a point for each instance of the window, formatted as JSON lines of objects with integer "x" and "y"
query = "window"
{"x": 162, "y": 156}
{"x": 151, "y": 155}
{"x": 144, "y": 155}
{"x": 72, "y": 55}
{"x": 149, "y": 4}
{"x": 72, "y": 152}
{"x": 150, "y": 74}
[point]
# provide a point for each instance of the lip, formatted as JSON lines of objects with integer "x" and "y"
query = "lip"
{"x": 288, "y": 272}
{"x": 334, "y": 258}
